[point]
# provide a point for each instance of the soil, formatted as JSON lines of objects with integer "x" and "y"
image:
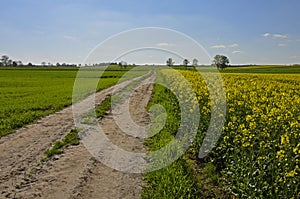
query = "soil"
{"x": 75, "y": 173}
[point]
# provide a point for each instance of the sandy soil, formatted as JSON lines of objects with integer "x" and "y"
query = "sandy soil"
{"x": 74, "y": 174}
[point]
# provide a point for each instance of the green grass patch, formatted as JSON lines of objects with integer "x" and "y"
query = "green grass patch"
{"x": 186, "y": 177}
{"x": 103, "y": 107}
{"x": 72, "y": 138}
{"x": 176, "y": 180}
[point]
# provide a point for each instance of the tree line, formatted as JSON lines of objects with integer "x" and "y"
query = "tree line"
{"x": 219, "y": 61}
{"x": 5, "y": 61}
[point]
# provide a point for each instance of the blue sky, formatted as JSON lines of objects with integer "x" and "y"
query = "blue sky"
{"x": 248, "y": 32}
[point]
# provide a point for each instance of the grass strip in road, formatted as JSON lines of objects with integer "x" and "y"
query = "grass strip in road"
{"x": 103, "y": 107}
{"x": 176, "y": 180}
{"x": 72, "y": 138}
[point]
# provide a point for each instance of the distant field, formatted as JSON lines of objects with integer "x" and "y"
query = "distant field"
{"x": 267, "y": 69}
{"x": 264, "y": 69}
{"x": 27, "y": 94}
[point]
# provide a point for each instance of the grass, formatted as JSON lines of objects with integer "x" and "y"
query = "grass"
{"x": 176, "y": 180}
{"x": 27, "y": 94}
{"x": 103, "y": 107}
{"x": 72, "y": 138}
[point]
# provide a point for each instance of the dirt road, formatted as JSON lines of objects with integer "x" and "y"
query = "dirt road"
{"x": 74, "y": 174}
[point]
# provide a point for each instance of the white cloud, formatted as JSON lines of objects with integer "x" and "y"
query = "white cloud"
{"x": 279, "y": 36}
{"x": 282, "y": 45}
{"x": 266, "y": 35}
{"x": 237, "y": 52}
{"x": 164, "y": 44}
{"x": 233, "y": 46}
{"x": 218, "y": 46}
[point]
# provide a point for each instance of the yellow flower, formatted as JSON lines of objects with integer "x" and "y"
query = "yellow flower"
{"x": 291, "y": 173}
{"x": 285, "y": 141}
{"x": 226, "y": 138}
{"x": 280, "y": 154}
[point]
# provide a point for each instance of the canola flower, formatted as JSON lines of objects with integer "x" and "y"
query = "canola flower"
{"x": 259, "y": 148}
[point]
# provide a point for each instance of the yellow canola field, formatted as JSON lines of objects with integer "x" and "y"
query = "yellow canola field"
{"x": 258, "y": 150}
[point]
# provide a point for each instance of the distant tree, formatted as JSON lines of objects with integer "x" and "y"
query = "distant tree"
{"x": 30, "y": 64}
{"x": 186, "y": 62}
{"x": 57, "y": 64}
{"x": 4, "y": 60}
{"x": 170, "y": 62}
{"x": 123, "y": 64}
{"x": 120, "y": 64}
{"x": 14, "y": 63}
{"x": 9, "y": 62}
{"x": 221, "y": 61}
{"x": 195, "y": 62}
{"x": 43, "y": 63}
{"x": 19, "y": 63}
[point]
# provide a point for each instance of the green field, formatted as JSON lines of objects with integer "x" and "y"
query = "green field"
{"x": 259, "y": 69}
{"x": 269, "y": 69}
{"x": 27, "y": 94}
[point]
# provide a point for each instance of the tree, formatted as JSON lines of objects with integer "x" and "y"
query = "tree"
{"x": 5, "y": 60}
{"x": 195, "y": 62}
{"x": 186, "y": 62}
{"x": 221, "y": 61}
{"x": 14, "y": 63}
{"x": 123, "y": 64}
{"x": 120, "y": 64}
{"x": 43, "y": 63}
{"x": 170, "y": 62}
{"x": 19, "y": 63}
{"x": 9, "y": 62}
